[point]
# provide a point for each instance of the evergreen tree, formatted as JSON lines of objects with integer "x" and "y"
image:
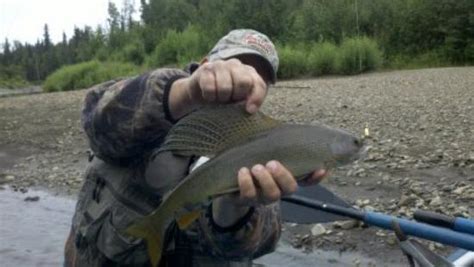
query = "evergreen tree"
{"x": 46, "y": 38}
{"x": 6, "y": 56}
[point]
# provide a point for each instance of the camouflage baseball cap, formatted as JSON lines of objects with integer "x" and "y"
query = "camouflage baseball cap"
{"x": 246, "y": 41}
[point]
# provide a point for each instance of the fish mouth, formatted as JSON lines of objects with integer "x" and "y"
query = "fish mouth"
{"x": 343, "y": 155}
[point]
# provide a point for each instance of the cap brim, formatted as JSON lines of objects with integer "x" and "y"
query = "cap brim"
{"x": 233, "y": 52}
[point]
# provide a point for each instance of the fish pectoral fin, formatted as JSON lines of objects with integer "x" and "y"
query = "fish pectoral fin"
{"x": 185, "y": 220}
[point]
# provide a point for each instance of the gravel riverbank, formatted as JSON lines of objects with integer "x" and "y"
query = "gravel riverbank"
{"x": 421, "y": 125}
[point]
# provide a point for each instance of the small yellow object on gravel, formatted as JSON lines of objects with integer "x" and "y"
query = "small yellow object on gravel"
{"x": 366, "y": 132}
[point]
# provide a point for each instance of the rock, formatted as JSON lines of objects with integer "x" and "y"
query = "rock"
{"x": 391, "y": 241}
{"x": 431, "y": 246}
{"x": 346, "y": 225}
{"x": 9, "y": 178}
{"x": 31, "y": 199}
{"x": 420, "y": 203}
{"x": 318, "y": 230}
{"x": 356, "y": 262}
{"x": 460, "y": 190}
{"x": 436, "y": 201}
{"x": 469, "y": 196}
{"x": 359, "y": 172}
{"x": 369, "y": 208}
{"x": 406, "y": 200}
{"x": 380, "y": 233}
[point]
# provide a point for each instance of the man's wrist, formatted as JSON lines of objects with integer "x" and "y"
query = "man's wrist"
{"x": 180, "y": 102}
{"x": 226, "y": 211}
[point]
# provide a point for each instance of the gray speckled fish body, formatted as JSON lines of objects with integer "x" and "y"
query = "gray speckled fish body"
{"x": 235, "y": 139}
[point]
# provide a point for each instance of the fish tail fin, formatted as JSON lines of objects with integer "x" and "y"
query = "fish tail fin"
{"x": 153, "y": 233}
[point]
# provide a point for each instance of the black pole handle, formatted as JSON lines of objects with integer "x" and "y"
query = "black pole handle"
{"x": 327, "y": 207}
{"x": 434, "y": 218}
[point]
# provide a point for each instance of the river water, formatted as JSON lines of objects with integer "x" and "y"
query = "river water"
{"x": 32, "y": 233}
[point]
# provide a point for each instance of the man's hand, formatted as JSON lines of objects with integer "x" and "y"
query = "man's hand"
{"x": 218, "y": 82}
{"x": 258, "y": 185}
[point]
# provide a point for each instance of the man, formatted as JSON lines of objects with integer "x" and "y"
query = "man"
{"x": 127, "y": 120}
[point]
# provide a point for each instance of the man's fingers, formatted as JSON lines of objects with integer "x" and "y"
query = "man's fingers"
{"x": 224, "y": 84}
{"x": 207, "y": 83}
{"x": 248, "y": 192}
{"x": 258, "y": 93}
{"x": 270, "y": 190}
{"x": 283, "y": 177}
{"x": 229, "y": 81}
{"x": 242, "y": 83}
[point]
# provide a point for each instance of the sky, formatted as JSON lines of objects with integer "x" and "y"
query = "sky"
{"x": 24, "y": 20}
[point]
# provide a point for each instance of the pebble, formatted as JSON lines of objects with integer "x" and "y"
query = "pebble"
{"x": 32, "y": 199}
{"x": 380, "y": 233}
{"x": 460, "y": 190}
{"x": 318, "y": 230}
{"x": 346, "y": 225}
{"x": 436, "y": 201}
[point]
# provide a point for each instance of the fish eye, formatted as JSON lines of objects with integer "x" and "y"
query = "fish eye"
{"x": 357, "y": 142}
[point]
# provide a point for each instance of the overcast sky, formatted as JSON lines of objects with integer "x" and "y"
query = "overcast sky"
{"x": 24, "y": 20}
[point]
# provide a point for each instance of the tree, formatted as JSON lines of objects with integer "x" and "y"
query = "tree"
{"x": 46, "y": 38}
{"x": 6, "y": 57}
{"x": 128, "y": 10}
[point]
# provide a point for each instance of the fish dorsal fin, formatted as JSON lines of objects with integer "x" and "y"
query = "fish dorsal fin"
{"x": 210, "y": 130}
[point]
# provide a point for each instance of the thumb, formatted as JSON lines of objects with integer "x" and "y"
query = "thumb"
{"x": 256, "y": 96}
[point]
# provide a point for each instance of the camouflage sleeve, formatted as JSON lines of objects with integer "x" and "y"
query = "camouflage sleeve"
{"x": 125, "y": 119}
{"x": 256, "y": 234}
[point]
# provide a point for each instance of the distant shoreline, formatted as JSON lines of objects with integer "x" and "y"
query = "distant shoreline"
{"x": 35, "y": 89}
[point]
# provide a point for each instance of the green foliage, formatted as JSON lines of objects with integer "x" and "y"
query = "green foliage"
{"x": 12, "y": 77}
{"x": 354, "y": 55}
{"x": 166, "y": 52}
{"x": 179, "y": 48}
{"x": 322, "y": 58}
{"x": 293, "y": 62}
{"x": 411, "y": 33}
{"x": 358, "y": 55}
{"x": 13, "y": 83}
{"x": 86, "y": 74}
{"x": 133, "y": 52}
{"x": 429, "y": 59}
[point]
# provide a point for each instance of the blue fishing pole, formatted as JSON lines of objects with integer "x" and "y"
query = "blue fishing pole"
{"x": 412, "y": 228}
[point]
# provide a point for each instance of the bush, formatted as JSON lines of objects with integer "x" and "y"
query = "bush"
{"x": 86, "y": 74}
{"x": 133, "y": 52}
{"x": 469, "y": 53}
{"x": 12, "y": 76}
{"x": 322, "y": 58}
{"x": 13, "y": 83}
{"x": 428, "y": 59}
{"x": 179, "y": 48}
{"x": 358, "y": 55}
{"x": 293, "y": 62}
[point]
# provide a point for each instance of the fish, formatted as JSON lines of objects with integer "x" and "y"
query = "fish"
{"x": 233, "y": 139}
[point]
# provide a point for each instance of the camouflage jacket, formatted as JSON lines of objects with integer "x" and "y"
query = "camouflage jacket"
{"x": 126, "y": 121}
